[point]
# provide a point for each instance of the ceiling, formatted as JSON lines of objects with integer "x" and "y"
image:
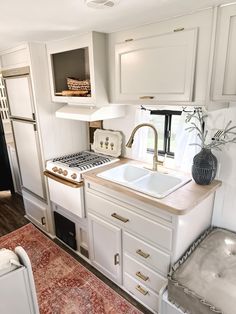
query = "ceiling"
{"x": 44, "y": 20}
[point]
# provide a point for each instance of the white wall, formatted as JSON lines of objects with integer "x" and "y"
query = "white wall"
{"x": 125, "y": 125}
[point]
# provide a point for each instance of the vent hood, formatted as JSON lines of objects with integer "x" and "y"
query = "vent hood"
{"x": 90, "y": 113}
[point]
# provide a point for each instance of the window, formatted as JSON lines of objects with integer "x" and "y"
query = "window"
{"x": 166, "y": 123}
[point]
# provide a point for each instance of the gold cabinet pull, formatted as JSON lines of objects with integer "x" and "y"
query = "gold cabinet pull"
{"x": 116, "y": 259}
{"x": 141, "y": 290}
{"x": 43, "y": 221}
{"x": 114, "y": 215}
{"x": 180, "y": 29}
{"x": 142, "y": 276}
{"x": 143, "y": 254}
{"x": 146, "y": 97}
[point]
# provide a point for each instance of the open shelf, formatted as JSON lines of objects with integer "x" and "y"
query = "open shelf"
{"x": 70, "y": 64}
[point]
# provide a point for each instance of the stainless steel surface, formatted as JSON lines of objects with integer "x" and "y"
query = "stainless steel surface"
{"x": 131, "y": 139}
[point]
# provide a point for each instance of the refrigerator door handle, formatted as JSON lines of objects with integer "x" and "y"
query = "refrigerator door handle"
{"x": 13, "y": 118}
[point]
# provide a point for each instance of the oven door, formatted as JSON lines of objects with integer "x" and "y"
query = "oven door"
{"x": 68, "y": 195}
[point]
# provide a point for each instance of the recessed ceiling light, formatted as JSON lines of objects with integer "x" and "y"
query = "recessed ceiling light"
{"x": 101, "y": 4}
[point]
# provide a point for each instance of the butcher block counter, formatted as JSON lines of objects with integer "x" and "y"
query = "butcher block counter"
{"x": 178, "y": 202}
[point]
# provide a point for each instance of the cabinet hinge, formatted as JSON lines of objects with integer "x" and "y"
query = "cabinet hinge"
{"x": 180, "y": 29}
{"x": 33, "y": 116}
{"x": 35, "y": 127}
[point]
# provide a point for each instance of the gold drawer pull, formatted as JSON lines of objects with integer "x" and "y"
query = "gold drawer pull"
{"x": 146, "y": 97}
{"x": 114, "y": 215}
{"x": 143, "y": 254}
{"x": 141, "y": 290}
{"x": 142, "y": 276}
{"x": 180, "y": 29}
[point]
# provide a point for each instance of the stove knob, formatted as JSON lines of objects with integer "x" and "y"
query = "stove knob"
{"x": 60, "y": 171}
{"x": 55, "y": 169}
{"x": 65, "y": 173}
{"x": 74, "y": 176}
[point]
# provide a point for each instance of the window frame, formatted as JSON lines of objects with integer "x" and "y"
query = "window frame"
{"x": 167, "y": 130}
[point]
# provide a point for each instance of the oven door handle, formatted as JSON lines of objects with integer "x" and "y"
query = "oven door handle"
{"x": 71, "y": 184}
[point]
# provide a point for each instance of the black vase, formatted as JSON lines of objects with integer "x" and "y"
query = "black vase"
{"x": 204, "y": 167}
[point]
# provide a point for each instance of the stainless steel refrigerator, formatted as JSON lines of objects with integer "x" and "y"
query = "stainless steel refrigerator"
{"x": 22, "y": 116}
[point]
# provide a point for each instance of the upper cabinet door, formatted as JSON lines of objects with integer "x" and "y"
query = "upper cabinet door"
{"x": 20, "y": 97}
{"x": 224, "y": 77}
{"x": 159, "y": 68}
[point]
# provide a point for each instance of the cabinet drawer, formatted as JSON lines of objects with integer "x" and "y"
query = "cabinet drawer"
{"x": 143, "y": 274}
{"x": 149, "y": 229}
{"x": 146, "y": 253}
{"x": 143, "y": 293}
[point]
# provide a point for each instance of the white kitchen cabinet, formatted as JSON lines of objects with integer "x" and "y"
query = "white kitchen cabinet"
{"x": 224, "y": 71}
{"x": 105, "y": 247}
{"x": 148, "y": 240}
{"x": 15, "y": 58}
{"x": 157, "y": 68}
{"x": 80, "y": 57}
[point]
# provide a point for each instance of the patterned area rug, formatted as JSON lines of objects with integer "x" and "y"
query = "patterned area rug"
{"x": 63, "y": 285}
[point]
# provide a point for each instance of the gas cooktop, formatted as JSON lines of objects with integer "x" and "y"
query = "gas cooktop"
{"x": 72, "y": 165}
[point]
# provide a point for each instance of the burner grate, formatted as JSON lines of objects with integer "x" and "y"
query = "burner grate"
{"x": 83, "y": 160}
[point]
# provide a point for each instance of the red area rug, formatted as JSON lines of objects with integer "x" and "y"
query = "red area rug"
{"x": 63, "y": 285}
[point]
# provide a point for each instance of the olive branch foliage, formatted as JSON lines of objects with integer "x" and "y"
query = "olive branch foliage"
{"x": 197, "y": 120}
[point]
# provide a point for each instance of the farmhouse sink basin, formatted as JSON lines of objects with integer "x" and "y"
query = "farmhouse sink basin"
{"x": 156, "y": 184}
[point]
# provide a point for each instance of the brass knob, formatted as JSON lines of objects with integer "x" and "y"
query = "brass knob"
{"x": 55, "y": 169}
{"x": 60, "y": 171}
{"x": 65, "y": 173}
{"x": 74, "y": 176}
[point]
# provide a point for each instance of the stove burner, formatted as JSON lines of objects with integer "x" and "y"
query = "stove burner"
{"x": 82, "y": 160}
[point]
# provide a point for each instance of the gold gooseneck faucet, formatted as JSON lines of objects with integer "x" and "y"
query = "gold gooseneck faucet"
{"x": 131, "y": 139}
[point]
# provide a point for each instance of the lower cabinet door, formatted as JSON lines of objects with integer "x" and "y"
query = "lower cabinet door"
{"x": 105, "y": 247}
{"x": 36, "y": 211}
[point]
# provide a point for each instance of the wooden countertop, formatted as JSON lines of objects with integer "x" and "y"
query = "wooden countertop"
{"x": 178, "y": 202}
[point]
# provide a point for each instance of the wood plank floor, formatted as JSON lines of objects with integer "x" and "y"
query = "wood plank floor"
{"x": 11, "y": 212}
